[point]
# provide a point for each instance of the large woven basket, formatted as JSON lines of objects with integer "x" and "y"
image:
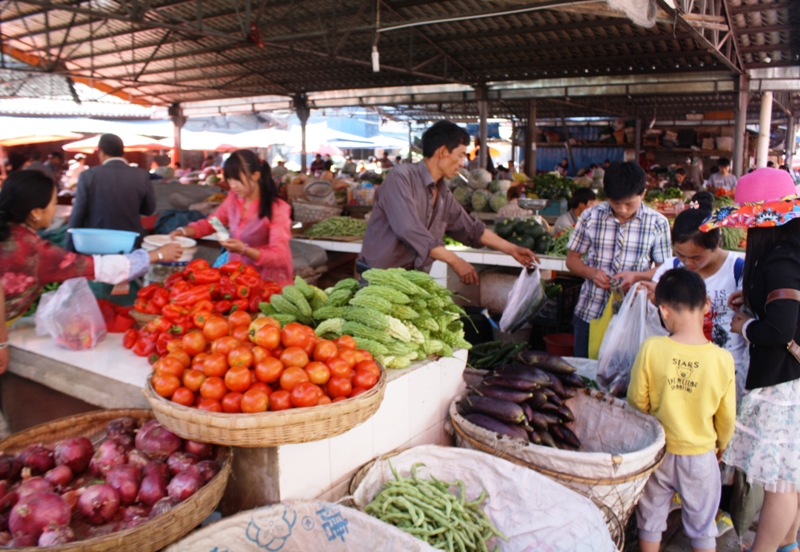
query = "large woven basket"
{"x": 142, "y": 318}
{"x": 267, "y": 429}
{"x": 148, "y": 537}
{"x": 311, "y": 212}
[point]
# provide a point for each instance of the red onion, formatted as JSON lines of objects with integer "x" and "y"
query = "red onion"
{"x": 108, "y": 456}
{"x": 202, "y": 450}
{"x": 152, "y": 489}
{"x": 185, "y": 484}
{"x": 156, "y": 442}
{"x": 6, "y": 466}
{"x": 38, "y": 459}
{"x": 36, "y": 512}
{"x": 33, "y": 485}
{"x": 138, "y": 459}
{"x": 5, "y": 537}
{"x": 59, "y": 477}
{"x": 123, "y": 425}
{"x": 179, "y": 461}
{"x": 125, "y": 440}
{"x": 22, "y": 541}
{"x": 157, "y": 468}
{"x": 71, "y": 497}
{"x": 135, "y": 511}
{"x": 84, "y": 480}
{"x": 75, "y": 453}
{"x": 8, "y": 501}
{"x": 99, "y": 503}
{"x": 56, "y": 535}
{"x": 163, "y": 506}
{"x": 208, "y": 469}
{"x": 4, "y": 525}
{"x": 125, "y": 479}
{"x": 136, "y": 522}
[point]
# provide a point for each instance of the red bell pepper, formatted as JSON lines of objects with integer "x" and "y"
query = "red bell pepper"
{"x": 227, "y": 289}
{"x": 144, "y": 347}
{"x": 194, "y": 295}
{"x": 172, "y": 312}
{"x": 129, "y": 339}
{"x": 201, "y": 317}
{"x": 232, "y": 267}
{"x": 202, "y": 306}
{"x": 222, "y": 307}
{"x": 147, "y": 291}
{"x": 250, "y": 271}
{"x": 181, "y": 326}
{"x": 255, "y": 298}
{"x": 160, "y": 297}
{"x": 139, "y": 304}
{"x": 208, "y": 276}
{"x": 242, "y": 292}
{"x": 173, "y": 279}
{"x": 178, "y": 288}
{"x": 239, "y": 304}
{"x": 248, "y": 280}
{"x": 152, "y": 308}
{"x": 158, "y": 325}
{"x": 161, "y": 343}
{"x": 197, "y": 264}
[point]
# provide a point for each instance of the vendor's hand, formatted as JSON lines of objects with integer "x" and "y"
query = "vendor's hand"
{"x": 601, "y": 279}
{"x": 234, "y": 246}
{"x": 170, "y": 253}
{"x": 736, "y": 300}
{"x": 651, "y": 290}
{"x": 627, "y": 279}
{"x": 466, "y": 272}
{"x": 737, "y": 324}
{"x": 524, "y": 256}
{"x": 4, "y": 354}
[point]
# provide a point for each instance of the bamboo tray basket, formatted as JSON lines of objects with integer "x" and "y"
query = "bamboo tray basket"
{"x": 267, "y": 429}
{"x": 150, "y": 536}
{"x": 142, "y": 318}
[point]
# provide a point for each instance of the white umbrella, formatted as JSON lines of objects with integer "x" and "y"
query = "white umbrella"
{"x": 260, "y": 138}
{"x": 132, "y": 142}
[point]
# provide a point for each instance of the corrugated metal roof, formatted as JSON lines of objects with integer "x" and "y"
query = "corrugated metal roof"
{"x": 166, "y": 51}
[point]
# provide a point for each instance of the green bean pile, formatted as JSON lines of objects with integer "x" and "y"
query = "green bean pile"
{"x": 558, "y": 247}
{"x": 427, "y": 509}
{"x": 338, "y": 226}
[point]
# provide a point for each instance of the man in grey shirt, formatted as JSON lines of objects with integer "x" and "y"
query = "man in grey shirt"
{"x": 723, "y": 179}
{"x": 414, "y": 209}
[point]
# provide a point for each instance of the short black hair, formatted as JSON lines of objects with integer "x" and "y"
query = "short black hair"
{"x": 681, "y": 289}
{"x": 624, "y": 180}
{"x": 35, "y": 155}
{"x": 443, "y": 133}
{"x": 581, "y": 195}
{"x": 724, "y": 162}
{"x": 111, "y": 145}
{"x": 680, "y": 171}
{"x": 770, "y": 164}
{"x": 56, "y": 154}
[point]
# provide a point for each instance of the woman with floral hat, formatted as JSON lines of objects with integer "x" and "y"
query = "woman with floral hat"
{"x": 766, "y": 443}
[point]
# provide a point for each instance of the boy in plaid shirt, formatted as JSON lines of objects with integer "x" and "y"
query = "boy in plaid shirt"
{"x": 620, "y": 241}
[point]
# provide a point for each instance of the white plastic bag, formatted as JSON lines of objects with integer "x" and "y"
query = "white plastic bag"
{"x": 525, "y": 300}
{"x": 71, "y": 316}
{"x": 636, "y": 321}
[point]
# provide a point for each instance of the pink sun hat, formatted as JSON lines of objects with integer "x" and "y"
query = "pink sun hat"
{"x": 765, "y": 184}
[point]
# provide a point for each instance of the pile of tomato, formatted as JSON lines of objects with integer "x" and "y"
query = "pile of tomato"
{"x": 237, "y": 365}
{"x": 231, "y": 287}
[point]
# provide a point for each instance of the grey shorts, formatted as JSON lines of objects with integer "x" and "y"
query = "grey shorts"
{"x": 696, "y": 480}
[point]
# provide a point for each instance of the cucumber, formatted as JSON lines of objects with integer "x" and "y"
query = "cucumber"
{"x": 505, "y": 411}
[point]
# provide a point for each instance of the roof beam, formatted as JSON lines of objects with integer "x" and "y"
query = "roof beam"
{"x": 759, "y": 7}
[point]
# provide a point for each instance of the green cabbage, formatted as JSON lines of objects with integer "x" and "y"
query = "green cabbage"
{"x": 480, "y": 200}
{"x": 463, "y": 195}
{"x": 479, "y": 179}
{"x": 498, "y": 200}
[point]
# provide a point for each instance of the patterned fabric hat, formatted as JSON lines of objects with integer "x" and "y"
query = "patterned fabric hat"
{"x": 765, "y": 198}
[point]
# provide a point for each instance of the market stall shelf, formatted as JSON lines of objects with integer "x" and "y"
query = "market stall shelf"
{"x": 152, "y": 535}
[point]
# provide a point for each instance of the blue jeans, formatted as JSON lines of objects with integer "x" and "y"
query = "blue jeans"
{"x": 581, "y": 337}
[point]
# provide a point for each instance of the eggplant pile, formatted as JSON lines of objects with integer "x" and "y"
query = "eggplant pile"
{"x": 524, "y": 399}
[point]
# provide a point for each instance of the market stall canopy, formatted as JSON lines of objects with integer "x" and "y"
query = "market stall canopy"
{"x": 260, "y": 138}
{"x": 20, "y": 137}
{"x": 132, "y": 142}
{"x": 204, "y": 140}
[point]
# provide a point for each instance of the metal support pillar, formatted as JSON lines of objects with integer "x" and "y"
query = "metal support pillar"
{"x": 410, "y": 142}
{"x": 790, "y": 141}
{"x": 530, "y": 141}
{"x": 302, "y": 111}
{"x": 513, "y": 145}
{"x": 637, "y": 141}
{"x": 178, "y": 120}
{"x": 764, "y": 125}
{"x": 567, "y": 144}
{"x": 740, "y": 154}
{"x": 483, "y": 114}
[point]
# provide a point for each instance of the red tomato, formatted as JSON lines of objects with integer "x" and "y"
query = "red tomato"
{"x": 239, "y": 318}
{"x": 194, "y": 343}
{"x": 325, "y": 350}
{"x": 232, "y": 403}
{"x": 213, "y": 388}
{"x": 193, "y": 379}
{"x": 209, "y": 405}
{"x": 183, "y": 396}
{"x": 215, "y": 328}
{"x": 173, "y": 345}
{"x": 294, "y": 335}
{"x": 238, "y": 379}
{"x": 339, "y": 386}
{"x": 241, "y": 333}
{"x": 339, "y": 399}
{"x": 254, "y": 401}
{"x": 357, "y": 391}
{"x": 259, "y": 354}
{"x": 269, "y": 370}
{"x": 324, "y": 399}
{"x": 165, "y": 384}
{"x": 259, "y": 322}
{"x": 294, "y": 356}
{"x": 348, "y": 356}
{"x": 182, "y": 356}
{"x": 305, "y": 394}
{"x": 240, "y": 356}
{"x": 169, "y": 366}
{"x": 318, "y": 373}
{"x": 224, "y": 345}
{"x": 312, "y": 343}
{"x": 366, "y": 354}
{"x": 338, "y": 366}
{"x": 215, "y": 365}
{"x": 198, "y": 359}
{"x": 293, "y": 376}
{"x": 365, "y": 379}
{"x": 268, "y": 336}
{"x": 280, "y": 400}
{"x": 262, "y": 386}
{"x": 369, "y": 366}
{"x": 346, "y": 342}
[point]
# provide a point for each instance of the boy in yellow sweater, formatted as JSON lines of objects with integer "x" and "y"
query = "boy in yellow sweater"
{"x": 688, "y": 383}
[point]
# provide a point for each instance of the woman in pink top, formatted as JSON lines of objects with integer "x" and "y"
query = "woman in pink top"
{"x": 259, "y": 222}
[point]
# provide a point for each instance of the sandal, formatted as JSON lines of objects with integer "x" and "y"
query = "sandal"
{"x": 788, "y": 547}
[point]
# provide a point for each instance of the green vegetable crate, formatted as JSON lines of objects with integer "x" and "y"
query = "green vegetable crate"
{"x": 555, "y": 208}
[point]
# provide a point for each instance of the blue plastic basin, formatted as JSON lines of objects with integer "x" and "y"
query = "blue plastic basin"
{"x": 99, "y": 241}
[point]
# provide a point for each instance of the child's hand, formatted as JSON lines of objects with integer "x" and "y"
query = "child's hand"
{"x": 738, "y": 322}
{"x": 719, "y": 455}
{"x": 736, "y": 300}
{"x": 651, "y": 290}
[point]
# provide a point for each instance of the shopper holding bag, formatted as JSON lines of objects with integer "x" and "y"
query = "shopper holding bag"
{"x": 765, "y": 444}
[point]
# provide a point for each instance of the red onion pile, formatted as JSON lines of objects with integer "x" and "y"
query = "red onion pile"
{"x": 74, "y": 491}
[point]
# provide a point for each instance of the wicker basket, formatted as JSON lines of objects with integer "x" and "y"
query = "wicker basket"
{"x": 150, "y": 536}
{"x": 267, "y": 429}
{"x": 310, "y": 212}
{"x": 142, "y": 318}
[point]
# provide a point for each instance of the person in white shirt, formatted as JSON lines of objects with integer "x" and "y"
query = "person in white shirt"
{"x": 582, "y": 199}
{"x": 723, "y": 179}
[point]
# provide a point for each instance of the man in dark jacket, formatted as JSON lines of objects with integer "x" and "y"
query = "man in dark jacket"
{"x": 112, "y": 195}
